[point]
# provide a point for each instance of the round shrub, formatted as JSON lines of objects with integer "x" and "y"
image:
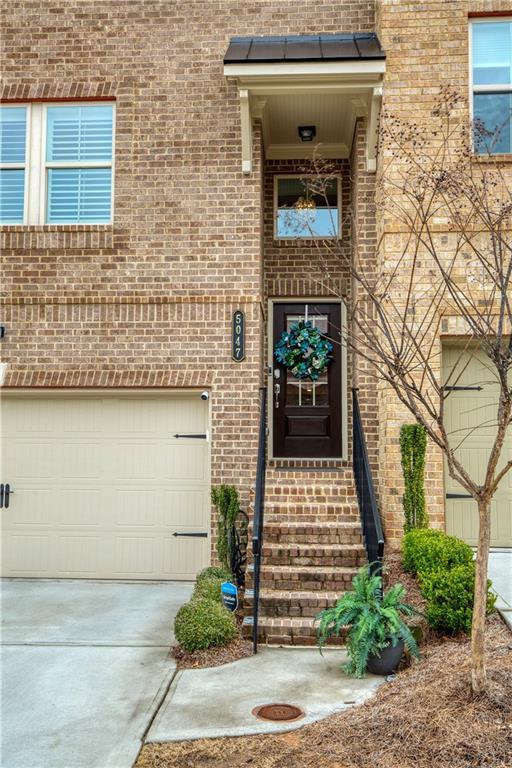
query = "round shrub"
{"x": 449, "y": 596}
{"x": 215, "y": 572}
{"x": 202, "y": 624}
{"x": 430, "y": 550}
{"x": 208, "y": 589}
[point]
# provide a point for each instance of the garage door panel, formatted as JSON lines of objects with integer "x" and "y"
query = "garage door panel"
{"x": 187, "y": 464}
{"x": 76, "y": 555}
{"x": 29, "y": 507}
{"x": 137, "y": 507}
{"x": 138, "y": 460}
{"x": 184, "y": 509}
{"x": 27, "y": 555}
{"x": 136, "y": 557}
{"x": 178, "y": 555}
{"x": 100, "y": 482}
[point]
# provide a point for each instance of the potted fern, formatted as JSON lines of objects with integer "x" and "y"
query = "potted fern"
{"x": 377, "y": 632}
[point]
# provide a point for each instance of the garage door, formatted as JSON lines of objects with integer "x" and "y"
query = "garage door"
{"x": 103, "y": 488}
{"x": 471, "y": 420}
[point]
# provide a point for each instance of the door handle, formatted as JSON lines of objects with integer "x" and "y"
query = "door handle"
{"x": 201, "y": 436}
{"x": 5, "y": 492}
{"x": 192, "y": 535}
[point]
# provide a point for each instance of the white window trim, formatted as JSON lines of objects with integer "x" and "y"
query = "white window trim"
{"x": 498, "y": 88}
{"x": 36, "y": 166}
{"x": 275, "y": 208}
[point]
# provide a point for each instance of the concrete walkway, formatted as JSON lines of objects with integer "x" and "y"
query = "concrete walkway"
{"x": 500, "y": 572}
{"x": 84, "y": 668}
{"x": 204, "y": 703}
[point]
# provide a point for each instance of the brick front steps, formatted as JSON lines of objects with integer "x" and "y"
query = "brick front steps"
{"x": 312, "y": 548}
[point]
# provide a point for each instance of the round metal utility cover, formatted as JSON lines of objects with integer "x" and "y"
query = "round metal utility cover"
{"x": 278, "y": 712}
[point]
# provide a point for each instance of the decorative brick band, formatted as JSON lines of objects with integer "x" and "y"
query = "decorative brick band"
{"x": 56, "y": 236}
{"x": 71, "y": 379}
{"x": 53, "y": 90}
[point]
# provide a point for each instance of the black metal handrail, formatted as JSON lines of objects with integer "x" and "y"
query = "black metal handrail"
{"x": 259, "y": 507}
{"x": 368, "y": 509}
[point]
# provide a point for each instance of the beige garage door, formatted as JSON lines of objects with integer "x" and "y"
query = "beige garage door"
{"x": 102, "y": 488}
{"x": 471, "y": 419}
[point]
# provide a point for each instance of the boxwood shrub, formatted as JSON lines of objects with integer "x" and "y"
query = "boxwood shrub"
{"x": 202, "y": 624}
{"x": 208, "y": 588}
{"x": 215, "y": 572}
{"x": 426, "y": 550}
{"x": 449, "y": 596}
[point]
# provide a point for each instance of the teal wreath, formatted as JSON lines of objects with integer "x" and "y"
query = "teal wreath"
{"x": 304, "y": 351}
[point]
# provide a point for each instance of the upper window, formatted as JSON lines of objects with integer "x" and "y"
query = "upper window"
{"x": 63, "y": 174}
{"x": 306, "y": 207}
{"x": 492, "y": 85}
{"x": 13, "y": 132}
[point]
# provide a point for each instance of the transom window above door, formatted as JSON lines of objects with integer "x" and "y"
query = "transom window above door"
{"x": 491, "y": 76}
{"x": 56, "y": 163}
{"x": 306, "y": 207}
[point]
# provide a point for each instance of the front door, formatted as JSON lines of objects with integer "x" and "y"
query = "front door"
{"x": 307, "y": 414}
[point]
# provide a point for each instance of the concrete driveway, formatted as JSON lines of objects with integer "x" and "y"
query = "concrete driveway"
{"x": 84, "y": 668}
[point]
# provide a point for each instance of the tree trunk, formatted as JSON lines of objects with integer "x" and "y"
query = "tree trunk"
{"x": 478, "y": 673}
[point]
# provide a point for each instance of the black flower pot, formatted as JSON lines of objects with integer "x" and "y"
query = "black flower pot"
{"x": 388, "y": 660}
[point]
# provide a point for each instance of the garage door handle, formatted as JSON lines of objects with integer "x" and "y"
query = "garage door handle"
{"x": 5, "y": 492}
{"x": 193, "y": 535}
{"x": 201, "y": 436}
{"x": 459, "y": 496}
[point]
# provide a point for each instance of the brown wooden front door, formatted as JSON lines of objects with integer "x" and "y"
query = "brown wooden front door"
{"x": 306, "y": 414}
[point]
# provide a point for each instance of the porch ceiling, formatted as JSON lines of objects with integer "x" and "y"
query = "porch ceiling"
{"x": 327, "y": 81}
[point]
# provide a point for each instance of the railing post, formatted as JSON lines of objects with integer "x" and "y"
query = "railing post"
{"x": 368, "y": 509}
{"x": 259, "y": 499}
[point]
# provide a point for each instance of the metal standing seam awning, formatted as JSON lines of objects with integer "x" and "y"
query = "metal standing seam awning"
{"x": 351, "y": 65}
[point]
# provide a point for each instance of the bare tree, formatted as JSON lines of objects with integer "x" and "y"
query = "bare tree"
{"x": 454, "y": 259}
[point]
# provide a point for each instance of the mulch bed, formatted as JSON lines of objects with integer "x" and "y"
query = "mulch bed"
{"x": 426, "y": 717}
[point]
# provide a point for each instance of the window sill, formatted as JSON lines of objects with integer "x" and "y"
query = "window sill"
{"x": 490, "y": 159}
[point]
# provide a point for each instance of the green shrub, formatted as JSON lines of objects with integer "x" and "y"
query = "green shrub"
{"x": 215, "y": 572}
{"x": 227, "y": 501}
{"x": 449, "y": 596}
{"x": 202, "y": 624}
{"x": 413, "y": 444}
{"x": 208, "y": 588}
{"x": 426, "y": 550}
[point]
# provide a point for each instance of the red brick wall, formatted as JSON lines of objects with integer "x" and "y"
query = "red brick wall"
{"x": 148, "y": 301}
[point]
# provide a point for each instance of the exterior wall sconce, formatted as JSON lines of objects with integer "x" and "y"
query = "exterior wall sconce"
{"x": 2, "y": 331}
{"x": 307, "y": 132}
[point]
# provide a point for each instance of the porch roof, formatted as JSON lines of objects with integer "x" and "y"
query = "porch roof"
{"x": 295, "y": 48}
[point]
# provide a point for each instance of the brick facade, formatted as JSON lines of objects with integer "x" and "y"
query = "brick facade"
{"x": 148, "y": 301}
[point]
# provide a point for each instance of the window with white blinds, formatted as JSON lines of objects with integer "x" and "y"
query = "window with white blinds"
{"x": 64, "y": 173}
{"x": 78, "y": 164}
{"x": 491, "y": 74}
{"x": 13, "y": 139}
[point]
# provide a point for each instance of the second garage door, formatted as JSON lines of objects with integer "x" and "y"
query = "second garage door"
{"x": 103, "y": 488}
{"x": 471, "y": 422}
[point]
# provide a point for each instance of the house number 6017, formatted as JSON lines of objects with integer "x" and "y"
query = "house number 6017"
{"x": 238, "y": 338}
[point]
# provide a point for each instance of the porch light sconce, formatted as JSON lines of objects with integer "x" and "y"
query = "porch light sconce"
{"x": 2, "y": 331}
{"x": 307, "y": 132}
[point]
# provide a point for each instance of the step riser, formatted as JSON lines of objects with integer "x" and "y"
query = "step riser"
{"x": 335, "y": 539}
{"x": 311, "y": 581}
{"x": 285, "y": 636}
{"x": 291, "y": 608}
{"x": 340, "y": 560}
